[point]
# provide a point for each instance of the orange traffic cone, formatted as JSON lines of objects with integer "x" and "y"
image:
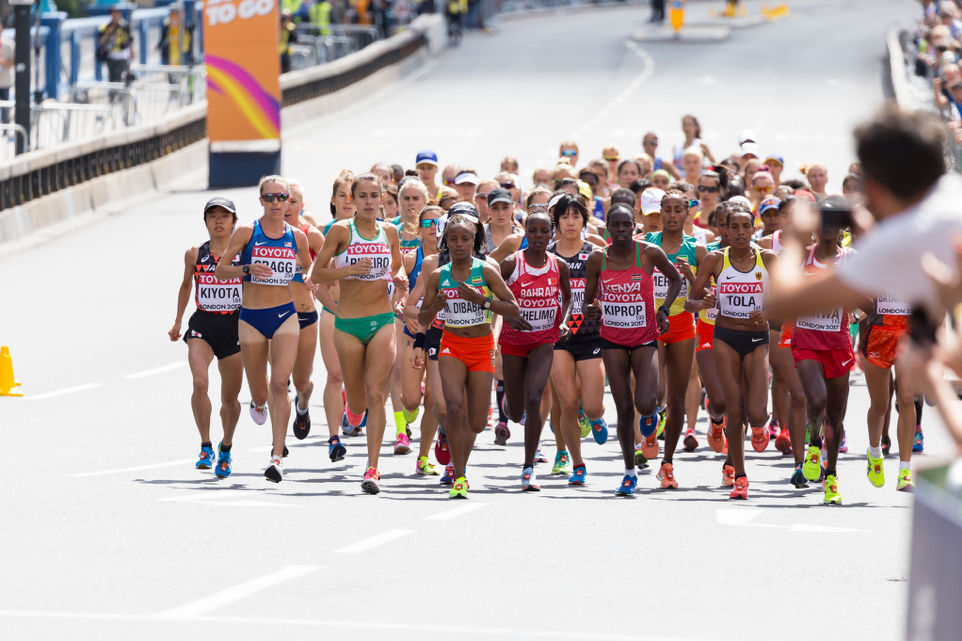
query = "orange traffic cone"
{"x": 7, "y": 381}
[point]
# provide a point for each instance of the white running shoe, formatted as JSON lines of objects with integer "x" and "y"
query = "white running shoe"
{"x": 259, "y": 414}
{"x": 275, "y": 471}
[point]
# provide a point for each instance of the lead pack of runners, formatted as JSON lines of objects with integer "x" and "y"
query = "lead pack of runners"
{"x": 646, "y": 275}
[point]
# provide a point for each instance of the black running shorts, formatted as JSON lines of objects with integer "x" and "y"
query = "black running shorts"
{"x": 217, "y": 330}
{"x": 582, "y": 348}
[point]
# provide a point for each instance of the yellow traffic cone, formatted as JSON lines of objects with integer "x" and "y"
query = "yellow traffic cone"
{"x": 676, "y": 13}
{"x": 7, "y": 381}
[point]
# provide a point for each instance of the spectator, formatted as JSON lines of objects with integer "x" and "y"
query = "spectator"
{"x": 286, "y": 38}
{"x": 775, "y": 165}
{"x": 509, "y": 164}
{"x": 650, "y": 144}
{"x": 170, "y": 53}
{"x": 657, "y": 10}
{"x": 949, "y": 16}
{"x": 6, "y": 72}
{"x": 114, "y": 46}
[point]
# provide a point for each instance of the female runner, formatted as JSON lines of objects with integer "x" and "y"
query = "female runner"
{"x": 741, "y": 336}
{"x": 535, "y": 277}
{"x": 367, "y": 260}
{"x": 577, "y": 359}
{"x": 270, "y": 251}
{"x": 463, "y": 288}
{"x": 621, "y": 278}
{"x": 212, "y": 333}
{"x": 306, "y": 319}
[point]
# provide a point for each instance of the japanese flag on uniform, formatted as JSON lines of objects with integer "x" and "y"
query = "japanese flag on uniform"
{"x": 583, "y": 256}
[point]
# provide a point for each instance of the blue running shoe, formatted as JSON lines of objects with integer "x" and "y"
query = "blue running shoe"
{"x": 599, "y": 430}
{"x": 448, "y": 478}
{"x": 223, "y": 468}
{"x": 335, "y": 449}
{"x": 628, "y": 485}
{"x": 647, "y": 429}
{"x": 918, "y": 443}
{"x": 798, "y": 477}
{"x": 579, "y": 477}
{"x": 205, "y": 459}
{"x": 350, "y": 430}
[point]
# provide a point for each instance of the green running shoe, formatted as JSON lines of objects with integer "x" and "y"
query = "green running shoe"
{"x": 459, "y": 490}
{"x": 661, "y": 424}
{"x": 876, "y": 472}
{"x": 832, "y": 497}
{"x": 561, "y": 463}
{"x": 584, "y": 423}
{"x": 905, "y": 483}
{"x": 811, "y": 468}
{"x": 641, "y": 461}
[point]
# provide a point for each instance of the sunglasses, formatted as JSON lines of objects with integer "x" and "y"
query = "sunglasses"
{"x": 707, "y": 190}
{"x": 507, "y": 185}
{"x": 762, "y": 190}
{"x": 448, "y": 182}
{"x": 428, "y": 223}
{"x": 693, "y": 203}
{"x": 568, "y": 153}
{"x": 649, "y": 143}
{"x": 269, "y": 198}
{"x": 612, "y": 158}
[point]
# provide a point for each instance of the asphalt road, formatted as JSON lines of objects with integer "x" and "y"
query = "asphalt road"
{"x": 107, "y": 531}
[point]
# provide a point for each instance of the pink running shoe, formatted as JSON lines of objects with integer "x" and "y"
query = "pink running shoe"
{"x": 403, "y": 444}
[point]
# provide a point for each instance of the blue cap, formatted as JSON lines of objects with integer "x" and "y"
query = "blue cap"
{"x": 777, "y": 159}
{"x": 427, "y": 157}
{"x": 768, "y": 203}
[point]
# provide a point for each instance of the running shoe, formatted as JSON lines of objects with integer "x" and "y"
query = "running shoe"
{"x": 350, "y": 430}
{"x": 335, "y": 449}
{"x": 259, "y": 414}
{"x": 811, "y": 467}
{"x": 528, "y": 483}
{"x": 223, "y": 468}
{"x": 740, "y": 489}
{"x": 661, "y": 424}
{"x": 441, "y": 451}
{"x": 424, "y": 468}
{"x": 918, "y": 442}
{"x": 302, "y": 422}
{"x": 691, "y": 441}
{"x": 539, "y": 455}
{"x": 905, "y": 483}
{"x": 760, "y": 438}
{"x": 579, "y": 476}
{"x": 459, "y": 490}
{"x": 783, "y": 442}
{"x": 798, "y": 477}
{"x": 501, "y": 434}
{"x": 650, "y": 446}
{"x": 876, "y": 471}
{"x": 647, "y": 429}
{"x": 584, "y": 423}
{"x": 561, "y": 463}
{"x": 599, "y": 430}
{"x": 641, "y": 461}
{"x": 628, "y": 485}
{"x": 524, "y": 417}
{"x": 773, "y": 428}
{"x": 275, "y": 471}
{"x": 886, "y": 445}
{"x": 205, "y": 460}
{"x": 666, "y": 474}
{"x": 843, "y": 448}
{"x": 402, "y": 445}
{"x": 410, "y": 417}
{"x": 448, "y": 477}
{"x": 832, "y": 497}
{"x": 286, "y": 453}
{"x": 372, "y": 481}
{"x": 716, "y": 435}
{"x": 728, "y": 475}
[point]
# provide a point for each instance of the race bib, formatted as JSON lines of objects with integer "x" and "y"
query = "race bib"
{"x": 661, "y": 282}
{"x": 281, "y": 260}
{"x": 828, "y": 321}
{"x": 893, "y": 306}
{"x": 740, "y": 300}
{"x": 218, "y": 295}
{"x": 624, "y": 315}
{"x": 577, "y": 294}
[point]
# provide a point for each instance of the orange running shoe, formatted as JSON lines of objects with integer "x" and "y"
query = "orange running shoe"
{"x": 740, "y": 491}
{"x": 650, "y": 446}
{"x": 716, "y": 436}
{"x": 666, "y": 474}
{"x": 783, "y": 442}
{"x": 691, "y": 441}
{"x": 728, "y": 475}
{"x": 760, "y": 438}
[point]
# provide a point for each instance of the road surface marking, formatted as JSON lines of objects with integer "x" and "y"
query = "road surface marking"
{"x": 356, "y": 625}
{"x": 372, "y": 542}
{"x": 61, "y": 392}
{"x": 157, "y": 370}
{"x": 138, "y": 468}
{"x": 458, "y": 511}
{"x": 236, "y": 593}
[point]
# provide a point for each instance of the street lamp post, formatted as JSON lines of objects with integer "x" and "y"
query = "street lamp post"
{"x": 21, "y": 21}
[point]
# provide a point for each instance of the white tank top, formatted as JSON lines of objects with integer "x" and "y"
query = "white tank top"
{"x": 741, "y": 293}
{"x": 777, "y": 245}
{"x": 377, "y": 250}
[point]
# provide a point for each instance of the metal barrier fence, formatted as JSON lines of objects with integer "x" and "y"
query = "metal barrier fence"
{"x": 140, "y": 103}
{"x": 317, "y": 45}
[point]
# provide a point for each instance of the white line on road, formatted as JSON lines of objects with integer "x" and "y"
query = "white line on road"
{"x": 236, "y": 593}
{"x": 61, "y": 392}
{"x": 137, "y": 469}
{"x": 372, "y": 542}
{"x": 453, "y": 630}
{"x": 458, "y": 511}
{"x": 743, "y": 516}
{"x": 157, "y": 370}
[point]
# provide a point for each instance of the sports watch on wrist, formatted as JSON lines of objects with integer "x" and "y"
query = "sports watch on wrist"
{"x": 487, "y": 303}
{"x": 665, "y": 309}
{"x": 246, "y": 269}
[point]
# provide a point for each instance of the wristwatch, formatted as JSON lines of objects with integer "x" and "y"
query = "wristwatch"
{"x": 246, "y": 269}
{"x": 487, "y": 303}
{"x": 666, "y": 310}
